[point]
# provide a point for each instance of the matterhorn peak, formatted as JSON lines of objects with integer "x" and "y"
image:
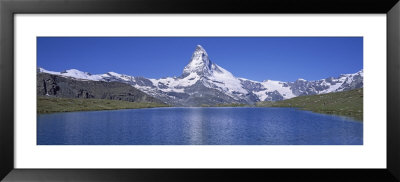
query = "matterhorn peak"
{"x": 199, "y": 63}
{"x": 200, "y": 50}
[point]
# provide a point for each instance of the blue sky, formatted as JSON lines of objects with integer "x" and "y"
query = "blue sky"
{"x": 255, "y": 58}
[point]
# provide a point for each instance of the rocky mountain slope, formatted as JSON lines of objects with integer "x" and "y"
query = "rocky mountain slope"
{"x": 58, "y": 86}
{"x": 204, "y": 82}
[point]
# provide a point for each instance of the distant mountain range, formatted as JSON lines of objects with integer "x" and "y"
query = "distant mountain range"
{"x": 205, "y": 83}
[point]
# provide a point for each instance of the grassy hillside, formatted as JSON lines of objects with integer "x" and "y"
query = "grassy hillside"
{"x": 53, "y": 104}
{"x": 347, "y": 103}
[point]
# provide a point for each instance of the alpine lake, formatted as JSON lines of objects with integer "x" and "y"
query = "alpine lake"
{"x": 198, "y": 126}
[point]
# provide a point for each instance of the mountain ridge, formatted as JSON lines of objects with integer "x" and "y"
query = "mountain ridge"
{"x": 204, "y": 82}
{"x": 64, "y": 87}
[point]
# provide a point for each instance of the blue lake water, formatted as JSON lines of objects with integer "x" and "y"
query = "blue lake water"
{"x": 198, "y": 126}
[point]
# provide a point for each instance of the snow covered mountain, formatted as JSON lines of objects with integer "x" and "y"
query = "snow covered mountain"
{"x": 205, "y": 83}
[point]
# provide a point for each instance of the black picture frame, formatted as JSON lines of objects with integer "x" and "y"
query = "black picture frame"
{"x": 8, "y": 8}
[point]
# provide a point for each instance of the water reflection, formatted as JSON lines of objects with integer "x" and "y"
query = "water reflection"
{"x": 198, "y": 126}
{"x": 194, "y": 122}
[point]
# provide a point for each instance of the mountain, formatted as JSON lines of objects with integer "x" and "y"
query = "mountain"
{"x": 65, "y": 87}
{"x": 270, "y": 90}
{"x": 205, "y": 83}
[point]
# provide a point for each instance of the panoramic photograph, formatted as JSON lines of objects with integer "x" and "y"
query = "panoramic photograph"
{"x": 199, "y": 90}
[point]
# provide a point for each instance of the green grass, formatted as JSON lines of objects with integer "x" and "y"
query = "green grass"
{"x": 347, "y": 103}
{"x": 53, "y": 104}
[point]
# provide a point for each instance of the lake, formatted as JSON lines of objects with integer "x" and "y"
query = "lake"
{"x": 198, "y": 126}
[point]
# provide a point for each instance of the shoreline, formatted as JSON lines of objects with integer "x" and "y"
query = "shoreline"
{"x": 50, "y": 105}
{"x": 322, "y": 112}
{"x": 55, "y": 112}
{"x": 346, "y": 104}
{"x": 303, "y": 109}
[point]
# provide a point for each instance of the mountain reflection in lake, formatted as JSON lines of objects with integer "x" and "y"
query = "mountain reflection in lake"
{"x": 198, "y": 126}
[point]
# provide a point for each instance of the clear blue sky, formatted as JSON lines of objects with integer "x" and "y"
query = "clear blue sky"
{"x": 255, "y": 58}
